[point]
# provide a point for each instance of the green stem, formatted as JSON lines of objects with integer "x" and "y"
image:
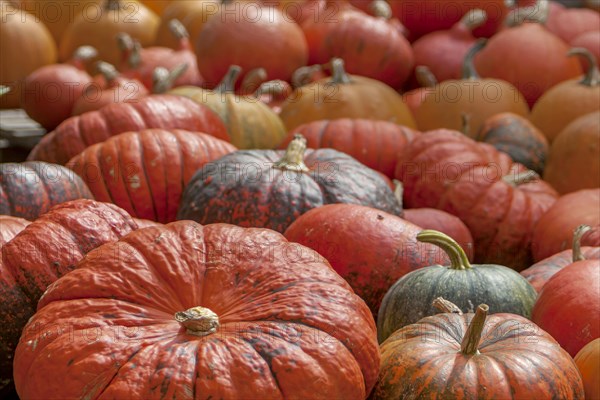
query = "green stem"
{"x": 293, "y": 159}
{"x": 471, "y": 339}
{"x": 177, "y": 29}
{"x": 227, "y": 84}
{"x": 339, "y": 74}
{"x": 107, "y": 70}
{"x": 468, "y": 70}
{"x": 458, "y": 258}
{"x": 163, "y": 80}
{"x": 199, "y": 321}
{"x": 474, "y": 18}
{"x": 577, "y": 235}
{"x": 592, "y": 75}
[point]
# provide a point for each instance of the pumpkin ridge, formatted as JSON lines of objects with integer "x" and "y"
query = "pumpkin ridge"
{"x": 98, "y": 157}
{"x": 165, "y": 175}
{"x": 264, "y": 356}
{"x": 121, "y": 168}
{"x": 122, "y": 213}
{"x": 145, "y": 172}
{"x": 181, "y": 171}
{"x": 508, "y": 205}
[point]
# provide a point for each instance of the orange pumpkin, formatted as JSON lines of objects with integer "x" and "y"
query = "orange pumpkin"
{"x": 574, "y": 160}
{"x": 426, "y": 80}
{"x": 588, "y": 362}
{"x": 25, "y": 45}
{"x": 568, "y": 100}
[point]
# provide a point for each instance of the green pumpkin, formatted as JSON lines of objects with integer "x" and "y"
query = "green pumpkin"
{"x": 466, "y": 285}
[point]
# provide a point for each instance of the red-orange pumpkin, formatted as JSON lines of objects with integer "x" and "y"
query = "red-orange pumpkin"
{"x": 145, "y": 172}
{"x": 10, "y": 227}
{"x": 588, "y": 362}
{"x": 589, "y": 41}
{"x": 214, "y": 311}
{"x": 572, "y": 22}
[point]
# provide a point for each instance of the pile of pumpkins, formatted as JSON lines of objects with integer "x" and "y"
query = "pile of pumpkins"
{"x": 302, "y": 199}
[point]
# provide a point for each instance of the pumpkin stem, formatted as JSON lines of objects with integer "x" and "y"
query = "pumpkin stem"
{"x": 277, "y": 89}
{"x": 381, "y": 9}
{"x": 253, "y": 79}
{"x": 177, "y": 29}
{"x": 4, "y": 90}
{"x": 446, "y": 306}
{"x": 458, "y": 258}
{"x": 537, "y": 12}
{"x": 592, "y": 75}
{"x": 577, "y": 235}
{"x": 521, "y": 178}
{"x": 468, "y": 70}
{"x": 473, "y": 335}
{"x": 85, "y": 53}
{"x": 107, "y": 70}
{"x": 163, "y": 79}
{"x": 135, "y": 56}
{"x": 399, "y": 192}
{"x": 293, "y": 159}
{"x": 199, "y": 321}
{"x": 466, "y": 123}
{"x": 339, "y": 74}
{"x": 227, "y": 84}
{"x": 474, "y": 18}
{"x": 302, "y": 76}
{"x": 425, "y": 77}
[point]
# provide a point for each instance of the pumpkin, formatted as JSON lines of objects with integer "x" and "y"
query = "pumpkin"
{"x": 251, "y": 36}
{"x": 107, "y": 88}
{"x": 592, "y": 237}
{"x": 270, "y": 189}
{"x": 370, "y": 46}
{"x": 444, "y": 51}
{"x": 569, "y": 100}
{"x": 180, "y": 9}
{"x": 250, "y": 123}
{"x": 444, "y": 105}
{"x": 554, "y": 230}
{"x": 374, "y": 143}
{"x": 588, "y": 363}
{"x": 411, "y": 297}
{"x": 46, "y": 249}
{"x": 145, "y": 172}
{"x": 517, "y": 137}
{"x": 156, "y": 111}
{"x": 568, "y": 303}
{"x": 574, "y": 159}
{"x": 141, "y": 62}
{"x": 29, "y": 189}
{"x": 101, "y": 27}
{"x": 11, "y": 226}
{"x": 499, "y": 201}
{"x": 25, "y": 46}
{"x": 197, "y": 319}
{"x": 344, "y": 96}
{"x": 52, "y": 90}
{"x": 475, "y": 356}
{"x": 539, "y": 273}
{"x": 371, "y": 249}
{"x": 426, "y": 82}
{"x": 589, "y": 41}
{"x": 438, "y": 220}
{"x": 145, "y": 223}
{"x": 273, "y": 93}
{"x": 528, "y": 56}
{"x": 572, "y": 22}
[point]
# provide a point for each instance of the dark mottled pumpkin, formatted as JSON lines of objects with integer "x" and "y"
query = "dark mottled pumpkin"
{"x": 270, "y": 189}
{"x": 411, "y": 297}
{"x": 29, "y": 189}
{"x": 206, "y": 312}
{"x": 46, "y": 249}
{"x": 517, "y": 137}
{"x": 10, "y": 227}
{"x": 475, "y": 356}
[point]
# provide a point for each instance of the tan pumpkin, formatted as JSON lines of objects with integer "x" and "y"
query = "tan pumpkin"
{"x": 25, "y": 45}
{"x": 574, "y": 161}
{"x": 101, "y": 29}
{"x": 568, "y": 100}
{"x": 251, "y": 124}
{"x": 345, "y": 96}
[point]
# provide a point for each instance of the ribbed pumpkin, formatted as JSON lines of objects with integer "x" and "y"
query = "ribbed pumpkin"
{"x": 454, "y": 356}
{"x": 568, "y": 305}
{"x": 29, "y": 189}
{"x": 270, "y": 189}
{"x": 370, "y": 46}
{"x": 572, "y": 22}
{"x": 569, "y": 100}
{"x": 499, "y": 201}
{"x": 45, "y": 250}
{"x": 411, "y": 297}
{"x": 11, "y": 226}
{"x": 250, "y": 123}
{"x": 539, "y": 273}
{"x": 156, "y": 111}
{"x": 374, "y": 143}
{"x": 574, "y": 159}
{"x": 554, "y": 231}
{"x": 100, "y": 29}
{"x": 371, "y": 249}
{"x": 445, "y": 104}
{"x": 589, "y": 41}
{"x": 196, "y": 319}
{"x": 145, "y": 172}
{"x": 588, "y": 362}
{"x": 344, "y": 96}
{"x": 517, "y": 137}
{"x": 25, "y": 45}
{"x": 53, "y": 90}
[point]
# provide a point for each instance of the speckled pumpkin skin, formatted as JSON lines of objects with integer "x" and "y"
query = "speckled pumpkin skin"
{"x": 516, "y": 360}
{"x": 29, "y": 189}
{"x": 290, "y": 326}
{"x": 243, "y": 188}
